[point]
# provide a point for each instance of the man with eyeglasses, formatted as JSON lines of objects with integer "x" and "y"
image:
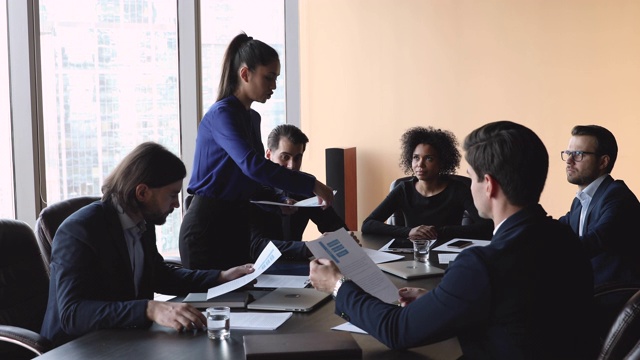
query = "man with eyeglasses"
{"x": 604, "y": 213}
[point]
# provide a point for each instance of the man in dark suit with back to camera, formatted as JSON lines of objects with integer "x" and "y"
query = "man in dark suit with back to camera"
{"x": 105, "y": 266}
{"x": 285, "y": 146}
{"x": 604, "y": 214}
{"x": 526, "y": 295}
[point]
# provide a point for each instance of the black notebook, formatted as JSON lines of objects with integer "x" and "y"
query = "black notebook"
{"x": 234, "y": 299}
{"x": 320, "y": 345}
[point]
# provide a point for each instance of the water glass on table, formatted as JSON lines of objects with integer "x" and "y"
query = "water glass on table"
{"x": 421, "y": 250}
{"x": 218, "y": 322}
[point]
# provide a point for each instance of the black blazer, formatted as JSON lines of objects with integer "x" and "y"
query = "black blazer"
{"x": 91, "y": 283}
{"x": 526, "y": 295}
{"x": 610, "y": 235}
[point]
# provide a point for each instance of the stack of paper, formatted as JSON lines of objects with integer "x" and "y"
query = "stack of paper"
{"x": 258, "y": 320}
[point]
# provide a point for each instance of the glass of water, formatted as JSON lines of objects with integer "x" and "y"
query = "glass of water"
{"x": 421, "y": 250}
{"x": 218, "y": 324}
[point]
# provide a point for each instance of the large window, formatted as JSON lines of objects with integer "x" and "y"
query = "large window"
{"x": 263, "y": 20}
{"x": 6, "y": 174}
{"x": 108, "y": 78}
{"x": 110, "y": 81}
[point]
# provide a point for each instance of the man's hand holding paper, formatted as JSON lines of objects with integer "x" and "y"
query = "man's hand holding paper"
{"x": 268, "y": 256}
{"x": 352, "y": 262}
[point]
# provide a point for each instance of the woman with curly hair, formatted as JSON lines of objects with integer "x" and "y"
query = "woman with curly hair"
{"x": 434, "y": 200}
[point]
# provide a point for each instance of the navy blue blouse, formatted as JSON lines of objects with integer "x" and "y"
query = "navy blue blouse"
{"x": 229, "y": 162}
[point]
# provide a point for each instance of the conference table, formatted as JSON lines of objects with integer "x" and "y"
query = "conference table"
{"x": 159, "y": 342}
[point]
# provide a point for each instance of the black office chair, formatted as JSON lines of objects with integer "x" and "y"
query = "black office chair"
{"x": 24, "y": 290}
{"x": 398, "y": 217}
{"x": 635, "y": 352}
{"x": 53, "y": 215}
{"x": 609, "y": 300}
{"x": 50, "y": 219}
{"x": 176, "y": 261}
{"x": 622, "y": 341}
{"x": 187, "y": 201}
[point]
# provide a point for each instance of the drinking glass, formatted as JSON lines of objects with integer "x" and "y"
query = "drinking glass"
{"x": 421, "y": 250}
{"x": 218, "y": 322}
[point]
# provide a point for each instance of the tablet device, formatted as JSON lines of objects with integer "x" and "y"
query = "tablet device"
{"x": 460, "y": 244}
{"x": 411, "y": 269}
{"x": 401, "y": 245}
{"x": 289, "y": 299}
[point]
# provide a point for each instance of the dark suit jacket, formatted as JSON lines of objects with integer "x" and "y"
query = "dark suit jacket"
{"x": 526, "y": 295}
{"x": 92, "y": 285}
{"x": 285, "y": 231}
{"x": 610, "y": 235}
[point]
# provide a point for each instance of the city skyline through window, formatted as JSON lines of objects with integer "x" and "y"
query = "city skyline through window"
{"x": 110, "y": 82}
{"x": 109, "y": 79}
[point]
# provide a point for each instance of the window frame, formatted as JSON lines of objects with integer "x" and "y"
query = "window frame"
{"x": 26, "y": 100}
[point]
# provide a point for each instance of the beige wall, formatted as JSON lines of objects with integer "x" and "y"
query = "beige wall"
{"x": 370, "y": 69}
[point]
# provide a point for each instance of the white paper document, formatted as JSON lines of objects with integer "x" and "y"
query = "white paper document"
{"x": 350, "y": 328}
{"x": 278, "y": 281}
{"x": 385, "y": 247}
{"x": 354, "y": 263}
{"x": 445, "y": 247}
{"x": 267, "y": 257}
{"x": 258, "y": 320}
{"x": 162, "y": 297}
{"x": 380, "y": 257}
{"x": 313, "y": 201}
{"x": 445, "y": 258}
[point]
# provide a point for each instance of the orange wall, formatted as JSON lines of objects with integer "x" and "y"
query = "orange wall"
{"x": 370, "y": 69}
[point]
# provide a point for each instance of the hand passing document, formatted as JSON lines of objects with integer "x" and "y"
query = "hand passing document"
{"x": 309, "y": 202}
{"x": 267, "y": 257}
{"x": 354, "y": 263}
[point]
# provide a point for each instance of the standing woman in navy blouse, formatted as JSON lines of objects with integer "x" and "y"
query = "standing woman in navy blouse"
{"x": 229, "y": 166}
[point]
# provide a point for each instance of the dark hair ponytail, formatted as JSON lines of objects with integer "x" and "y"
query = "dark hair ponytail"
{"x": 243, "y": 50}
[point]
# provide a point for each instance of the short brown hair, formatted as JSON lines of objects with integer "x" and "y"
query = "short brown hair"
{"x": 513, "y": 155}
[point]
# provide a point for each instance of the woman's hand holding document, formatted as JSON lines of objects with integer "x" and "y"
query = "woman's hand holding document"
{"x": 267, "y": 257}
{"x": 354, "y": 263}
{"x": 310, "y": 202}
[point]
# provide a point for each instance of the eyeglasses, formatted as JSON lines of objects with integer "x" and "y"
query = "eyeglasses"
{"x": 576, "y": 155}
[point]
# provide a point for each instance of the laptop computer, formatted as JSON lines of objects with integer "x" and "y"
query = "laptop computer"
{"x": 289, "y": 299}
{"x": 411, "y": 269}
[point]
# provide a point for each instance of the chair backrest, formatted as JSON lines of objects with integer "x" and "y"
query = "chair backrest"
{"x": 50, "y": 219}
{"x": 187, "y": 201}
{"x": 24, "y": 291}
{"x": 24, "y": 283}
{"x": 398, "y": 217}
{"x": 624, "y": 335}
{"x": 635, "y": 352}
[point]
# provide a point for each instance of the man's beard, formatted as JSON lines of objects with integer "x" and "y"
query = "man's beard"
{"x": 581, "y": 180}
{"x": 154, "y": 218}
